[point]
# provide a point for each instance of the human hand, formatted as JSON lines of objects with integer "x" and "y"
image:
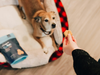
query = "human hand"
{"x": 69, "y": 44}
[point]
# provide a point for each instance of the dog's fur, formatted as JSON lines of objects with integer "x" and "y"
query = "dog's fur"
{"x": 43, "y": 22}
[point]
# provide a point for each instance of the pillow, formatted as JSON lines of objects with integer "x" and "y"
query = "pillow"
{"x": 11, "y": 22}
{"x": 23, "y": 32}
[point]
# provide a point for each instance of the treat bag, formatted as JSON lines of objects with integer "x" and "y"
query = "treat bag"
{"x": 11, "y": 49}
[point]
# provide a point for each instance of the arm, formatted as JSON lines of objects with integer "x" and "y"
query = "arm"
{"x": 84, "y": 64}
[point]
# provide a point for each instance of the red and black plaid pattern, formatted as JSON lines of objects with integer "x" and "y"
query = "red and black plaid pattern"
{"x": 64, "y": 23}
{"x": 3, "y": 64}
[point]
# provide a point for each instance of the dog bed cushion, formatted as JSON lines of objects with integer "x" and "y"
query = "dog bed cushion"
{"x": 11, "y": 22}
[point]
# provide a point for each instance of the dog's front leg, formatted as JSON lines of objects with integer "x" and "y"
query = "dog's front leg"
{"x": 42, "y": 44}
{"x": 53, "y": 42}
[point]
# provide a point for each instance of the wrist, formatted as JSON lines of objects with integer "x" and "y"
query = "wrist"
{"x": 74, "y": 49}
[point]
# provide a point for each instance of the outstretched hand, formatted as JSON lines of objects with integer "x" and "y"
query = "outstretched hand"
{"x": 69, "y": 44}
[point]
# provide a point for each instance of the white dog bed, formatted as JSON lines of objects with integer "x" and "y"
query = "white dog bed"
{"x": 11, "y": 22}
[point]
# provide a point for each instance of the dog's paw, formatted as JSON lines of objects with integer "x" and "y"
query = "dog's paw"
{"x": 45, "y": 50}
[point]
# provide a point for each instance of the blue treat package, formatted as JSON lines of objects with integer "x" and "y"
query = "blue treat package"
{"x": 11, "y": 49}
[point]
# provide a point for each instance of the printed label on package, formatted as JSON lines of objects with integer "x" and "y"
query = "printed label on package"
{"x": 11, "y": 49}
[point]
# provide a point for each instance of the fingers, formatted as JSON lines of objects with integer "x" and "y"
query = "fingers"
{"x": 74, "y": 39}
{"x": 65, "y": 41}
{"x": 69, "y": 38}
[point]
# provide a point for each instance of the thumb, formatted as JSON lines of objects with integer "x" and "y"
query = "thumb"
{"x": 69, "y": 38}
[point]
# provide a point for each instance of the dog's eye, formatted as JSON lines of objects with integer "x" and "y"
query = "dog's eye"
{"x": 46, "y": 20}
{"x": 53, "y": 17}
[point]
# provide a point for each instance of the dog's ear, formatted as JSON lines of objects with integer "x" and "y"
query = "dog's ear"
{"x": 38, "y": 19}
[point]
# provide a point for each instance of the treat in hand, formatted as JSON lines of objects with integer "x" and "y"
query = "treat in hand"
{"x": 69, "y": 43}
{"x": 67, "y": 32}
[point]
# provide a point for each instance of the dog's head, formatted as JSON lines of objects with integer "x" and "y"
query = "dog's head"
{"x": 47, "y": 21}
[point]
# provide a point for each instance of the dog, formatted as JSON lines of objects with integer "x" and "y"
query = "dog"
{"x": 43, "y": 22}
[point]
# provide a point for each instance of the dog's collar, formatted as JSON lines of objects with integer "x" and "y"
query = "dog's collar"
{"x": 44, "y": 30}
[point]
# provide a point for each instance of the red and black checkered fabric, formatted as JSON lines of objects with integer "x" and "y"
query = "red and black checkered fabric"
{"x": 64, "y": 23}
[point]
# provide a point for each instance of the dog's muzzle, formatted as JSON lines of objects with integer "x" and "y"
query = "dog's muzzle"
{"x": 44, "y": 30}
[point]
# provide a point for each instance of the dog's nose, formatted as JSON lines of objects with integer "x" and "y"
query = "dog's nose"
{"x": 53, "y": 25}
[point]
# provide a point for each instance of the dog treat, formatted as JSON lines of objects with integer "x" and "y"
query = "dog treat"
{"x": 20, "y": 52}
{"x": 67, "y": 32}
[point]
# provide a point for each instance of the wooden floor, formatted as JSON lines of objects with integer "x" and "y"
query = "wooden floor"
{"x": 84, "y": 22}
